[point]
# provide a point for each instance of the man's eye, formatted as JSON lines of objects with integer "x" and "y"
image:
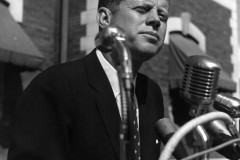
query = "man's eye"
{"x": 163, "y": 18}
{"x": 141, "y": 9}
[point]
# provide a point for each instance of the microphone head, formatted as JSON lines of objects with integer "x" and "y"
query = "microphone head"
{"x": 165, "y": 129}
{"x": 217, "y": 127}
{"x": 228, "y": 104}
{"x": 105, "y": 38}
{"x": 231, "y": 151}
{"x": 199, "y": 85}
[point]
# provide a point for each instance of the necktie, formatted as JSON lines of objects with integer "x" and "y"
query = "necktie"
{"x": 135, "y": 137}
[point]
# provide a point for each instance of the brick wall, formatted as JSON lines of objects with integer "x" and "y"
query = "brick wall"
{"x": 213, "y": 20}
{"x": 41, "y": 23}
{"x": 88, "y": 19}
{"x": 76, "y": 29}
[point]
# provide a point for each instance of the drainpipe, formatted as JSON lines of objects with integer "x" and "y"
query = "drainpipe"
{"x": 238, "y": 20}
{"x": 64, "y": 30}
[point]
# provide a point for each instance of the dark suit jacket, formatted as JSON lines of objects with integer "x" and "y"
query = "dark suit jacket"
{"x": 69, "y": 112}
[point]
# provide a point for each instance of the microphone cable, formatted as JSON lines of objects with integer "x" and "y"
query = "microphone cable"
{"x": 181, "y": 132}
{"x": 212, "y": 149}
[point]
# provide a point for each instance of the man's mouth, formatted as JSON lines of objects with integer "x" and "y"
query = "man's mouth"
{"x": 153, "y": 34}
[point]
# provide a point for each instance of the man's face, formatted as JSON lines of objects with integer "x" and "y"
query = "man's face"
{"x": 144, "y": 22}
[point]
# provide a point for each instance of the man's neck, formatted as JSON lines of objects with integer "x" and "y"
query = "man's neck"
{"x": 114, "y": 61}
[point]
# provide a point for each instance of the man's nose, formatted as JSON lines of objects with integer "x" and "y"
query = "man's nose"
{"x": 153, "y": 19}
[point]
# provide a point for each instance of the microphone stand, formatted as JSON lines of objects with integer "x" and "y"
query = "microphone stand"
{"x": 201, "y": 137}
{"x": 125, "y": 78}
{"x": 201, "y": 140}
{"x": 112, "y": 38}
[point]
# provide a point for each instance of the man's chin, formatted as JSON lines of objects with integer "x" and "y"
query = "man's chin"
{"x": 145, "y": 55}
{"x": 145, "y": 50}
{"x": 150, "y": 51}
{"x": 151, "y": 48}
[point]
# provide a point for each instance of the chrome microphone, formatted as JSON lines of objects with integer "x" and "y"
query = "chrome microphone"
{"x": 228, "y": 104}
{"x": 165, "y": 129}
{"x": 199, "y": 85}
{"x": 106, "y": 37}
{"x": 114, "y": 39}
{"x": 231, "y": 151}
{"x": 221, "y": 135}
{"x": 217, "y": 127}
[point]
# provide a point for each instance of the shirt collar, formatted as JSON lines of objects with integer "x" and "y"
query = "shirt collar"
{"x": 111, "y": 73}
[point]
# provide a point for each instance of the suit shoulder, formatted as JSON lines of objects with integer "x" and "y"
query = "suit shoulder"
{"x": 142, "y": 78}
{"x": 68, "y": 67}
{"x": 74, "y": 67}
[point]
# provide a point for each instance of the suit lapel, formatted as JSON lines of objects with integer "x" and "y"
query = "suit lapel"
{"x": 105, "y": 99}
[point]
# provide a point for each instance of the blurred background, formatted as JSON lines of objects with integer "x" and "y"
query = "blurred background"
{"x": 35, "y": 35}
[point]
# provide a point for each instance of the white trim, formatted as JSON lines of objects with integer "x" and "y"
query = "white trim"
{"x": 88, "y": 16}
{"x": 175, "y": 24}
{"x": 226, "y": 3}
{"x": 91, "y": 4}
{"x": 16, "y": 9}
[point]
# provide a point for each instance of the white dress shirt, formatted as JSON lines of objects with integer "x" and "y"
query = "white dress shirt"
{"x": 112, "y": 75}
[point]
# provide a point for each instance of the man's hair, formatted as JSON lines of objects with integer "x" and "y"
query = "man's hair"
{"x": 110, "y": 4}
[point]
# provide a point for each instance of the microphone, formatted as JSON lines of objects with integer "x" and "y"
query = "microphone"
{"x": 165, "y": 128}
{"x": 199, "y": 88}
{"x": 199, "y": 85}
{"x": 228, "y": 104}
{"x": 217, "y": 127}
{"x": 221, "y": 135}
{"x": 231, "y": 151}
{"x": 106, "y": 37}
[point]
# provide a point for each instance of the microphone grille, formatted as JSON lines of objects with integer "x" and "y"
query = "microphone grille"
{"x": 199, "y": 85}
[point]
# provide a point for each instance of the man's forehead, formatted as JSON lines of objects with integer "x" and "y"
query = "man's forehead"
{"x": 163, "y": 3}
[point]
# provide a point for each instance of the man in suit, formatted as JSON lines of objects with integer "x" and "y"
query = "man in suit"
{"x": 71, "y": 111}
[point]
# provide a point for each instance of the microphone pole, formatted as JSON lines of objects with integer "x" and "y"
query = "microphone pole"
{"x": 113, "y": 39}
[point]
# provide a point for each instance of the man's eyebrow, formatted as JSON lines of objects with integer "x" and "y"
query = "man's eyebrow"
{"x": 161, "y": 7}
{"x": 143, "y": 3}
{"x": 164, "y": 8}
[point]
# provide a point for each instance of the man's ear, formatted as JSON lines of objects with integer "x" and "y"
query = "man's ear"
{"x": 104, "y": 16}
